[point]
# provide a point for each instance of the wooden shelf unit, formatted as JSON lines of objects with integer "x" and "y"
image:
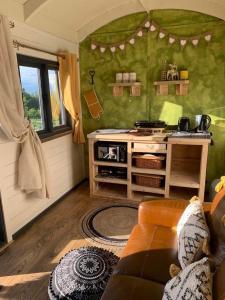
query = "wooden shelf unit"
{"x": 184, "y": 171}
{"x": 162, "y": 87}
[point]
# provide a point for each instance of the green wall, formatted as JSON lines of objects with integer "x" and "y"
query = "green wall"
{"x": 205, "y": 64}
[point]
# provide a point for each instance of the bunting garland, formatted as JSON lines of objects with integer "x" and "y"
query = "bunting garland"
{"x": 151, "y": 26}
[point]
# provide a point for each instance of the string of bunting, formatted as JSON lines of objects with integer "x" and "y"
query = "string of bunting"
{"x": 144, "y": 28}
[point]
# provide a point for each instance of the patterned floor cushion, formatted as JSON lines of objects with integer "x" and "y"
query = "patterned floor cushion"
{"x": 82, "y": 274}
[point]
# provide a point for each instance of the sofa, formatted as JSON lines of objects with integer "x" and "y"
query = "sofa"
{"x": 143, "y": 269}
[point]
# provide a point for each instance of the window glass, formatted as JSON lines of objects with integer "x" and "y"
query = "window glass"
{"x": 32, "y": 100}
{"x": 58, "y": 110}
{"x": 42, "y": 96}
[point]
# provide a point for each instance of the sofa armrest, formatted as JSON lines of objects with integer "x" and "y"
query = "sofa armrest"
{"x": 164, "y": 212}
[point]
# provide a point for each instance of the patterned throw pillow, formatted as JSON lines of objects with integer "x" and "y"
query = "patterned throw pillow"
{"x": 194, "y": 282}
{"x": 193, "y": 234}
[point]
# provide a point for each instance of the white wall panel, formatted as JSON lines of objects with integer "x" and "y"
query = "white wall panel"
{"x": 65, "y": 169}
{"x": 65, "y": 160}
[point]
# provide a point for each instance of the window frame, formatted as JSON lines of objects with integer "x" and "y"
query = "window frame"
{"x": 45, "y": 65}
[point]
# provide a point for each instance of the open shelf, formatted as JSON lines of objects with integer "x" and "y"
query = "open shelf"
{"x": 183, "y": 178}
{"x": 110, "y": 180}
{"x": 185, "y": 167}
{"x": 148, "y": 171}
{"x": 186, "y": 151}
{"x": 182, "y": 193}
{"x": 110, "y": 164}
{"x": 139, "y": 188}
{"x": 110, "y": 190}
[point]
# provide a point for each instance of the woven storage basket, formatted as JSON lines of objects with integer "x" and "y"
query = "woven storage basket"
{"x": 149, "y": 161}
{"x": 149, "y": 180}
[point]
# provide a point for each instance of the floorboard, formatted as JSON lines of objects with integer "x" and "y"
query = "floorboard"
{"x": 26, "y": 264}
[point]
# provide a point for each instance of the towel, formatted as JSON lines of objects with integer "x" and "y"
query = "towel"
{"x": 220, "y": 185}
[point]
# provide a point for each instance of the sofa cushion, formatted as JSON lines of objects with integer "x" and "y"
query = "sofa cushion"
{"x": 193, "y": 234}
{"x": 121, "y": 287}
{"x": 218, "y": 282}
{"x": 194, "y": 282}
{"x": 149, "y": 253}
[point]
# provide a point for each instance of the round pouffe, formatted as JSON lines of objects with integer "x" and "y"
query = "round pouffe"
{"x": 82, "y": 274}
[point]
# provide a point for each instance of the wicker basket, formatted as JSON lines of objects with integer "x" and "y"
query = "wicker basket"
{"x": 149, "y": 161}
{"x": 149, "y": 180}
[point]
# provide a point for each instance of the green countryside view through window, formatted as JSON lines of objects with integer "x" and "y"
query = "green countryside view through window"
{"x": 32, "y": 97}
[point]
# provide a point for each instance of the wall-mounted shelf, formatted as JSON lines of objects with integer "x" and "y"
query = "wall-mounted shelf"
{"x": 135, "y": 88}
{"x": 162, "y": 87}
{"x": 137, "y": 83}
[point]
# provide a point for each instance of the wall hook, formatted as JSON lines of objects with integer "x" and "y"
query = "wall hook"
{"x": 11, "y": 24}
{"x": 92, "y": 74}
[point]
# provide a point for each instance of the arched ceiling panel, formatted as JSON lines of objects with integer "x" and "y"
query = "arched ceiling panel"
{"x": 31, "y": 7}
{"x": 214, "y": 8}
{"x": 75, "y": 19}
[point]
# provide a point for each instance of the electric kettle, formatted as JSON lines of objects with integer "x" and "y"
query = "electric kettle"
{"x": 184, "y": 124}
{"x": 203, "y": 123}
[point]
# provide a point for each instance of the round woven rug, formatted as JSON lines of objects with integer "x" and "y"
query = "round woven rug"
{"x": 109, "y": 225}
{"x": 82, "y": 274}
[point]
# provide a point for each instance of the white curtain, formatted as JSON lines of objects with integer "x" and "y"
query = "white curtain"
{"x": 31, "y": 165}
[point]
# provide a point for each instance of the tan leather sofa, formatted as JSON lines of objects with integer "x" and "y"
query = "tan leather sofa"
{"x": 143, "y": 270}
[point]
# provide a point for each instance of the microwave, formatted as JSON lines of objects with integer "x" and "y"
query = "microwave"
{"x": 110, "y": 151}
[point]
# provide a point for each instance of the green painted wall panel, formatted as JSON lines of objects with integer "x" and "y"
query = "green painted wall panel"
{"x": 205, "y": 63}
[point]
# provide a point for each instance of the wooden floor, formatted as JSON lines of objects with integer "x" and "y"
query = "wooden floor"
{"x": 26, "y": 264}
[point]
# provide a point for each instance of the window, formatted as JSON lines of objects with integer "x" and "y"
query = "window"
{"x": 42, "y": 97}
